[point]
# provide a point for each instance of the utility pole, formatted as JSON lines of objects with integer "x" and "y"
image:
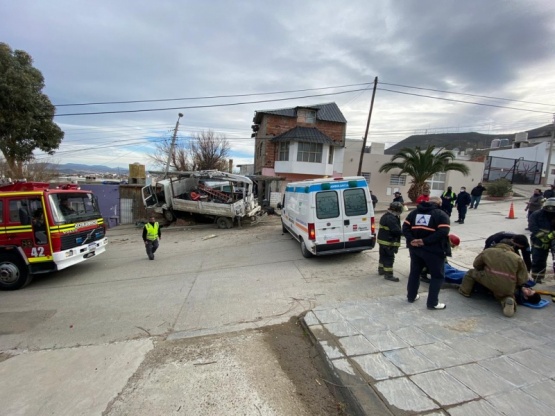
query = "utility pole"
{"x": 548, "y": 167}
{"x": 172, "y": 146}
{"x": 367, "y": 127}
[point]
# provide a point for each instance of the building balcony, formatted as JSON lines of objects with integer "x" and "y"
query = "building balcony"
{"x": 303, "y": 168}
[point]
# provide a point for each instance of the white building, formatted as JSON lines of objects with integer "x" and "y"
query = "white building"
{"x": 383, "y": 185}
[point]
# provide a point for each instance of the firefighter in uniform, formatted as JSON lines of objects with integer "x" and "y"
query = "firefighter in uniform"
{"x": 151, "y": 235}
{"x": 500, "y": 270}
{"x": 426, "y": 230}
{"x": 389, "y": 239}
{"x": 542, "y": 226}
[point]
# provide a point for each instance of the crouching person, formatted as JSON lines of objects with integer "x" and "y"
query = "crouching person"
{"x": 500, "y": 270}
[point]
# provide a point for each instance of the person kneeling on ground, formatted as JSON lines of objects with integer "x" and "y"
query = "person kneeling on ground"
{"x": 521, "y": 245}
{"x": 389, "y": 239}
{"x": 500, "y": 270}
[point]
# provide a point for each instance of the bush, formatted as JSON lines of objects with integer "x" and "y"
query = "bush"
{"x": 499, "y": 188}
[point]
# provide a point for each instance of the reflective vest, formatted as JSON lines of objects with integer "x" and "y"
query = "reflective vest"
{"x": 152, "y": 231}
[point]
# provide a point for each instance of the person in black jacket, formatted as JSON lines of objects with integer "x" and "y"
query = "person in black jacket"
{"x": 549, "y": 193}
{"x": 398, "y": 198}
{"x": 389, "y": 239}
{"x": 542, "y": 228}
{"x": 521, "y": 245}
{"x": 426, "y": 230}
{"x": 462, "y": 202}
{"x": 374, "y": 199}
{"x": 476, "y": 195}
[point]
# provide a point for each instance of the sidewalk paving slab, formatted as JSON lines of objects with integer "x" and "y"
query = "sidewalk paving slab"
{"x": 396, "y": 358}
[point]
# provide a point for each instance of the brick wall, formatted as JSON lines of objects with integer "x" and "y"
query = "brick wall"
{"x": 273, "y": 125}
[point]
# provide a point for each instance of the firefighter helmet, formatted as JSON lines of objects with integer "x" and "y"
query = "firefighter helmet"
{"x": 454, "y": 240}
{"x": 396, "y": 207}
{"x": 549, "y": 205}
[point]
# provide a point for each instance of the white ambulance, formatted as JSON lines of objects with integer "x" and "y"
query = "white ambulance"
{"x": 329, "y": 215}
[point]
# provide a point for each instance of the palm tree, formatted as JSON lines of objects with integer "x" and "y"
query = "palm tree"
{"x": 422, "y": 165}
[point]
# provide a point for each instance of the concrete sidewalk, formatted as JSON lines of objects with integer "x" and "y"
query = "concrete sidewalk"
{"x": 391, "y": 357}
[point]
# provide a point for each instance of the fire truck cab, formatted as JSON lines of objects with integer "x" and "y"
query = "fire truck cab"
{"x": 44, "y": 230}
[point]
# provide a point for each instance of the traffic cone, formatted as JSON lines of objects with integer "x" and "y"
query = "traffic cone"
{"x": 511, "y": 213}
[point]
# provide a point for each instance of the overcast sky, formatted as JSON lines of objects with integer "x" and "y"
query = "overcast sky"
{"x": 106, "y": 50}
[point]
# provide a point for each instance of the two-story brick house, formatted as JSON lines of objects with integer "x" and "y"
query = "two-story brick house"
{"x": 299, "y": 143}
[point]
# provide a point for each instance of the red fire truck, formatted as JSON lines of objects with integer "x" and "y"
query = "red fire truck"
{"x": 44, "y": 230}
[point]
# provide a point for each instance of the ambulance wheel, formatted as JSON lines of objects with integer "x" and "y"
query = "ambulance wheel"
{"x": 13, "y": 272}
{"x": 304, "y": 251}
{"x": 224, "y": 222}
{"x": 169, "y": 215}
{"x": 283, "y": 229}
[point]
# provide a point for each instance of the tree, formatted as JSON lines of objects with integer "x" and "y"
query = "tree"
{"x": 26, "y": 114}
{"x": 422, "y": 165}
{"x": 209, "y": 151}
{"x": 179, "y": 159}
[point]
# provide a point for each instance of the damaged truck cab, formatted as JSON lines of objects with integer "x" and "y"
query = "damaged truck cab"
{"x": 225, "y": 197}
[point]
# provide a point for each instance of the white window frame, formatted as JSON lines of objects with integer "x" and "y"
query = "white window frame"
{"x": 437, "y": 182}
{"x": 330, "y": 155}
{"x": 397, "y": 180}
{"x": 366, "y": 176}
{"x": 283, "y": 152}
{"x": 312, "y": 152}
{"x": 306, "y": 116}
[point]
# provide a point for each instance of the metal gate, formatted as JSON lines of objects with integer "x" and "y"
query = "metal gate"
{"x": 516, "y": 171}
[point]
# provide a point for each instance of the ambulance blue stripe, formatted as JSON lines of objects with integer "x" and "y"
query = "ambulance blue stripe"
{"x": 318, "y": 187}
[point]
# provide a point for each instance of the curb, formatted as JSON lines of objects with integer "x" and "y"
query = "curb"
{"x": 357, "y": 393}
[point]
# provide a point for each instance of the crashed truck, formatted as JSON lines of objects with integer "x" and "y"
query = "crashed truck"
{"x": 224, "y": 197}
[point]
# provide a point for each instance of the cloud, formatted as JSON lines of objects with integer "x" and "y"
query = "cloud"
{"x": 140, "y": 50}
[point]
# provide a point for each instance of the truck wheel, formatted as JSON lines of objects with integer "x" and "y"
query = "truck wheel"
{"x": 224, "y": 222}
{"x": 169, "y": 215}
{"x": 13, "y": 272}
{"x": 304, "y": 251}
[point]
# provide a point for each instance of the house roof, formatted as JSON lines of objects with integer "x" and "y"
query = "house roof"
{"x": 304, "y": 134}
{"x": 324, "y": 112}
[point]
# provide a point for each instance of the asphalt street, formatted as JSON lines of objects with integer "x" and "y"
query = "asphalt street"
{"x": 75, "y": 341}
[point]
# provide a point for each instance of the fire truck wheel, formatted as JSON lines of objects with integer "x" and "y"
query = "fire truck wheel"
{"x": 224, "y": 222}
{"x": 169, "y": 215}
{"x": 13, "y": 273}
{"x": 304, "y": 251}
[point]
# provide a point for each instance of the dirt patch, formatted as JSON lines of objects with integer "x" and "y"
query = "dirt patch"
{"x": 273, "y": 370}
{"x": 303, "y": 365}
{"x": 4, "y": 356}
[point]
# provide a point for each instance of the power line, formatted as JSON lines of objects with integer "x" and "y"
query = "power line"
{"x": 208, "y": 97}
{"x": 468, "y": 94}
{"x": 207, "y": 105}
{"x": 465, "y": 102}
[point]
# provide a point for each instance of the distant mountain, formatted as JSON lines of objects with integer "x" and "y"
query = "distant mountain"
{"x": 462, "y": 141}
{"x": 78, "y": 168}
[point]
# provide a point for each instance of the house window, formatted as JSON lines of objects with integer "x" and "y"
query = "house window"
{"x": 397, "y": 180}
{"x": 366, "y": 176}
{"x": 330, "y": 156}
{"x": 283, "y": 154}
{"x": 309, "y": 152}
{"x": 306, "y": 116}
{"x": 437, "y": 182}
